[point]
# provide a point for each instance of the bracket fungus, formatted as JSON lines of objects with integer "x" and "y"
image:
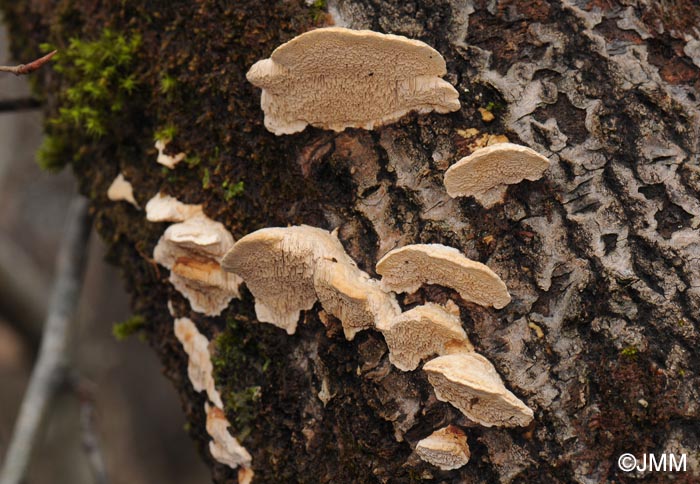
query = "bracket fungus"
{"x": 121, "y": 190}
{"x": 470, "y": 383}
{"x": 486, "y": 173}
{"x": 167, "y": 160}
{"x": 353, "y": 297}
{"x": 445, "y": 448}
{"x": 164, "y": 208}
{"x": 407, "y": 268}
{"x": 199, "y": 366}
{"x": 422, "y": 332}
{"x": 192, "y": 250}
{"x": 336, "y": 78}
{"x": 223, "y": 446}
{"x": 278, "y": 266}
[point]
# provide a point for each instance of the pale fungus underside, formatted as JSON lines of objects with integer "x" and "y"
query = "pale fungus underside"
{"x": 469, "y": 382}
{"x": 408, "y": 268}
{"x": 121, "y": 190}
{"x": 445, "y": 448}
{"x": 336, "y": 78}
{"x": 422, "y": 332}
{"x": 486, "y": 173}
{"x": 192, "y": 250}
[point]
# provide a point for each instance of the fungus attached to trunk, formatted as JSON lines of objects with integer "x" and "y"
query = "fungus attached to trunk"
{"x": 192, "y": 251}
{"x": 223, "y": 446}
{"x": 164, "y": 208}
{"x": 353, "y": 297}
{"x": 407, "y": 268}
{"x": 445, "y": 448}
{"x": 121, "y": 190}
{"x": 278, "y": 266}
{"x": 486, "y": 173}
{"x": 199, "y": 366}
{"x": 337, "y": 78}
{"x": 470, "y": 383}
{"x": 167, "y": 160}
{"x": 422, "y": 332}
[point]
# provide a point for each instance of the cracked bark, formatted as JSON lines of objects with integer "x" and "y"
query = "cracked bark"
{"x": 601, "y": 256}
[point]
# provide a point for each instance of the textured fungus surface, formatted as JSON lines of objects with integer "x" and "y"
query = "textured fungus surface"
{"x": 446, "y": 448}
{"x": 488, "y": 170}
{"x": 470, "y": 382}
{"x": 407, "y": 268}
{"x": 278, "y": 266}
{"x": 336, "y": 78}
{"x": 422, "y": 332}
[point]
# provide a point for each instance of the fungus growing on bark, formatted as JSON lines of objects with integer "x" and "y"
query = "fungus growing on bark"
{"x": 422, "y": 332}
{"x": 167, "y": 160}
{"x": 353, "y": 297}
{"x": 337, "y": 78}
{"x": 164, "y": 208}
{"x": 199, "y": 366}
{"x": 407, "y": 268}
{"x": 121, "y": 190}
{"x": 223, "y": 446}
{"x": 445, "y": 448}
{"x": 192, "y": 251}
{"x": 486, "y": 173}
{"x": 470, "y": 383}
{"x": 278, "y": 266}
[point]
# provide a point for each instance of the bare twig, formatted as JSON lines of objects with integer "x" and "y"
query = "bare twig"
{"x": 19, "y": 104}
{"x": 23, "y": 69}
{"x": 91, "y": 444}
{"x": 51, "y": 367}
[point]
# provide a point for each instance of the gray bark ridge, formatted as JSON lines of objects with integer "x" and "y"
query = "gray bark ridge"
{"x": 602, "y": 255}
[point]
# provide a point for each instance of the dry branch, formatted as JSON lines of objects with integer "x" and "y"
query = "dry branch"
{"x": 23, "y": 69}
{"x": 50, "y": 370}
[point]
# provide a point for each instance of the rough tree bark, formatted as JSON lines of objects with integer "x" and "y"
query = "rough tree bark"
{"x": 602, "y": 256}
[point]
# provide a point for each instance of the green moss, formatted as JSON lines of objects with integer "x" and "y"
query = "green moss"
{"x": 318, "y": 9}
{"x": 232, "y": 190}
{"x": 206, "y": 179}
{"x": 97, "y": 78}
{"x": 166, "y": 133}
{"x": 167, "y": 84}
{"x": 126, "y": 328}
{"x": 629, "y": 352}
{"x": 243, "y": 404}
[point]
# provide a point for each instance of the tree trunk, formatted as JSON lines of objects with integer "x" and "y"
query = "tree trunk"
{"x": 601, "y": 256}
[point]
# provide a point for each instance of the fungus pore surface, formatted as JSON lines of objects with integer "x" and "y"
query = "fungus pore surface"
{"x": 407, "y": 268}
{"x": 278, "y": 265}
{"x": 445, "y": 448}
{"x": 485, "y": 173}
{"x": 470, "y": 383}
{"x": 422, "y": 332}
{"x": 336, "y": 78}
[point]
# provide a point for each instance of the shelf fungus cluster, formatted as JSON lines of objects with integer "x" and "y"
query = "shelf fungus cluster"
{"x": 289, "y": 269}
{"x": 487, "y": 172}
{"x": 336, "y": 78}
{"x": 192, "y": 250}
{"x": 222, "y": 446}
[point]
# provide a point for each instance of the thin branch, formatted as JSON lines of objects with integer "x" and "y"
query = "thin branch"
{"x": 51, "y": 367}
{"x": 19, "y": 104}
{"x": 91, "y": 443}
{"x": 23, "y": 69}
